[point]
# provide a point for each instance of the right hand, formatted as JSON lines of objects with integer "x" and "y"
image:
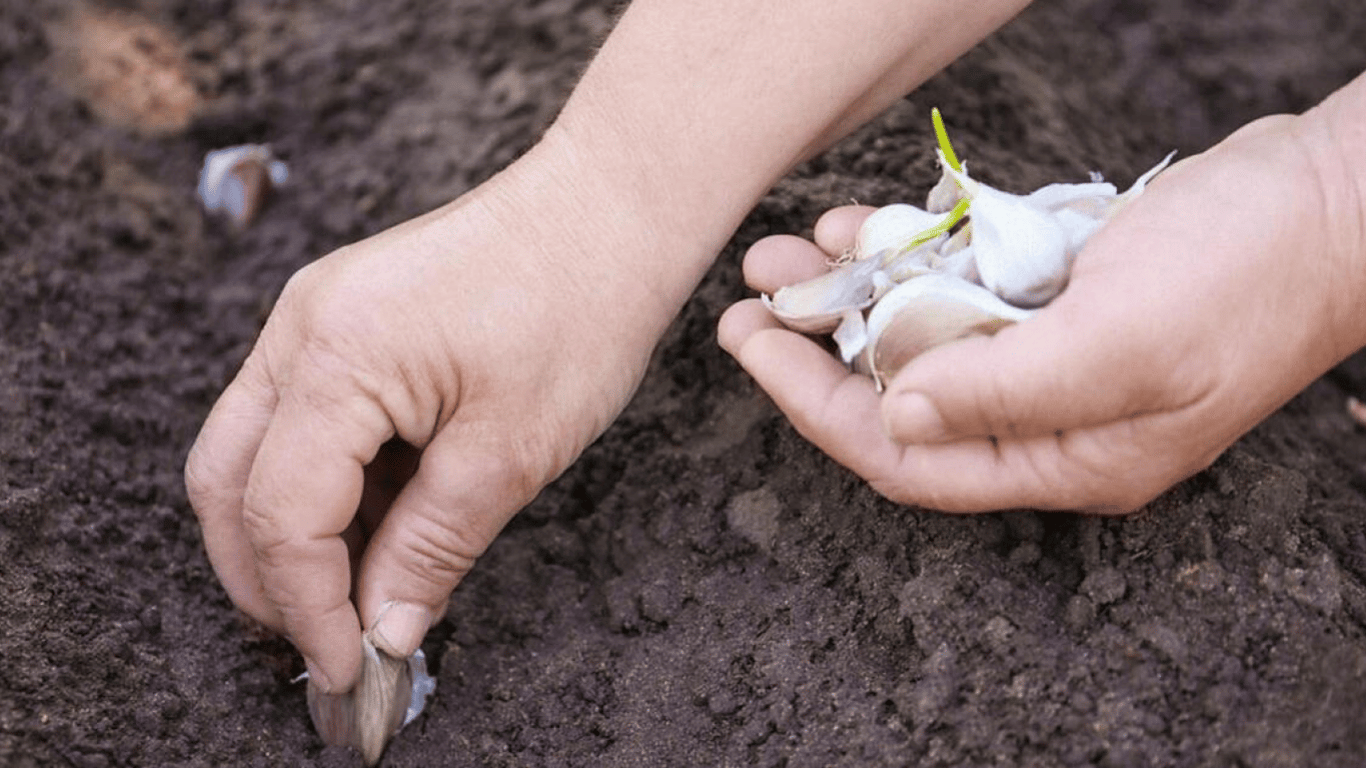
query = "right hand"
{"x": 496, "y": 336}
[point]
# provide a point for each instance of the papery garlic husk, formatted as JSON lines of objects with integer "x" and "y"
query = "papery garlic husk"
{"x": 851, "y": 336}
{"x": 1140, "y": 184}
{"x": 368, "y": 715}
{"x": 1091, "y": 198}
{"x": 927, "y": 311}
{"x": 890, "y": 228}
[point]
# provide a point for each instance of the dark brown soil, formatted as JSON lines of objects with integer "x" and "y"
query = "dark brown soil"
{"x": 702, "y": 588}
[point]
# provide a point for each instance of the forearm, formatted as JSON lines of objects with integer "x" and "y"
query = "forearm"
{"x": 694, "y": 108}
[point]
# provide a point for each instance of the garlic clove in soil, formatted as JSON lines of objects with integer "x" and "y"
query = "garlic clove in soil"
{"x": 237, "y": 181}
{"x": 390, "y": 693}
{"x": 927, "y": 311}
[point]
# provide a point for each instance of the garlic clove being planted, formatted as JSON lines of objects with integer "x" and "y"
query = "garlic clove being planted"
{"x": 927, "y": 311}
{"x": 389, "y": 693}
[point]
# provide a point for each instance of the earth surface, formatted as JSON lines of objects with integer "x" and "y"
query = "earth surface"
{"x": 703, "y": 587}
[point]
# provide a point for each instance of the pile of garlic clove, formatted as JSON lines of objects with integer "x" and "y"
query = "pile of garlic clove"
{"x": 972, "y": 261}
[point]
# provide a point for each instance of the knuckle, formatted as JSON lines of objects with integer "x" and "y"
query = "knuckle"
{"x": 441, "y": 549}
{"x": 322, "y": 305}
{"x": 200, "y": 486}
{"x": 265, "y": 531}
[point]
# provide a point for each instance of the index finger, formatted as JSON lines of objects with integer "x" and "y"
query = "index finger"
{"x": 304, "y": 490}
{"x": 216, "y": 473}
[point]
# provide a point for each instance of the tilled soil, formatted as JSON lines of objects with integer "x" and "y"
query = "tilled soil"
{"x": 703, "y": 588}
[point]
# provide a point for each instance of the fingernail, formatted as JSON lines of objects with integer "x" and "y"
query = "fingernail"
{"x": 400, "y": 628}
{"x": 912, "y": 418}
{"x": 316, "y": 677}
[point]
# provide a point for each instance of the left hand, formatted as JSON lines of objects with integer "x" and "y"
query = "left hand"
{"x": 1236, "y": 279}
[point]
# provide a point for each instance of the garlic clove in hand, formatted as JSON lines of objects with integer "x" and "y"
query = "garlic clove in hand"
{"x": 819, "y": 305}
{"x": 892, "y": 227}
{"x": 367, "y": 716}
{"x": 927, "y": 311}
{"x": 1022, "y": 252}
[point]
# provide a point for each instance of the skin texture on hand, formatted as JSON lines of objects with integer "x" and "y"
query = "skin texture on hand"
{"x": 1233, "y": 282}
{"x": 459, "y": 334}
{"x": 411, "y": 392}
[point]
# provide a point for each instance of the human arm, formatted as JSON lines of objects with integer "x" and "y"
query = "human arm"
{"x": 1233, "y": 282}
{"x": 498, "y": 335}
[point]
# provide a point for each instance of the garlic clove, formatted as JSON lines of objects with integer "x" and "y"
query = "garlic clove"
{"x": 1022, "y": 252}
{"x": 818, "y": 305}
{"x": 238, "y": 180}
{"x": 367, "y": 716}
{"x": 892, "y": 227}
{"x": 927, "y": 311}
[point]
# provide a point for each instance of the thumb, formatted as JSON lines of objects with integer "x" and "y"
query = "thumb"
{"x": 1077, "y": 363}
{"x": 441, "y": 522}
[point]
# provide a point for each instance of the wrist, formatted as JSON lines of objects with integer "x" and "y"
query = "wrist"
{"x": 580, "y": 237}
{"x": 1335, "y": 132}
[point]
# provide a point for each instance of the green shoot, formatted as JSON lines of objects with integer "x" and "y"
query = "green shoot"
{"x": 948, "y": 222}
{"x": 943, "y": 136}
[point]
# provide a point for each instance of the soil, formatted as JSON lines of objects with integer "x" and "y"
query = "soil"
{"x": 702, "y": 588}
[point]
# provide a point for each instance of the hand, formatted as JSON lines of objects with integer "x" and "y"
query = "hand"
{"x": 492, "y": 338}
{"x": 1233, "y": 282}
{"x": 497, "y": 336}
